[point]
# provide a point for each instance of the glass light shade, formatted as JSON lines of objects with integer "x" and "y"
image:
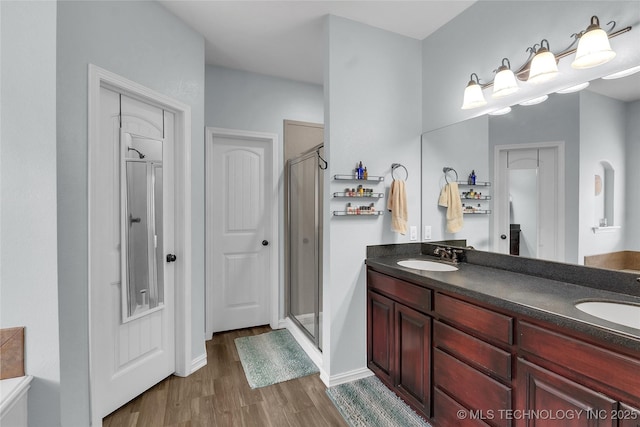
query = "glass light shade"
{"x": 623, "y": 73}
{"x": 543, "y": 67}
{"x": 575, "y": 88}
{"x": 500, "y": 112}
{"x": 593, "y": 49}
{"x": 535, "y": 101}
{"x": 505, "y": 83}
{"x": 473, "y": 96}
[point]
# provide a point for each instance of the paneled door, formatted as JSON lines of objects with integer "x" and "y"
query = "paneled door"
{"x": 240, "y": 233}
{"x": 131, "y": 231}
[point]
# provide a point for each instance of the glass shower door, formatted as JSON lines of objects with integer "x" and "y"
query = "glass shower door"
{"x": 304, "y": 235}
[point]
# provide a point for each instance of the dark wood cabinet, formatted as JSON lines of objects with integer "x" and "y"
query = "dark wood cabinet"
{"x": 413, "y": 357}
{"x": 461, "y": 362}
{"x": 548, "y": 399}
{"x": 380, "y": 337}
{"x": 399, "y": 338}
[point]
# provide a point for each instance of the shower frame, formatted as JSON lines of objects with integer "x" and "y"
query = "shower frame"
{"x": 314, "y": 152}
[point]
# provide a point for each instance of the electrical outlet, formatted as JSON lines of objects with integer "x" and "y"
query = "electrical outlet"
{"x": 413, "y": 233}
{"x": 427, "y": 232}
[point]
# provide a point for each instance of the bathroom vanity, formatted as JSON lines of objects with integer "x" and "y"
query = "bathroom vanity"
{"x": 501, "y": 342}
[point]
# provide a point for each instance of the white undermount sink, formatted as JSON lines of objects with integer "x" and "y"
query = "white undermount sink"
{"x": 617, "y": 312}
{"x": 421, "y": 264}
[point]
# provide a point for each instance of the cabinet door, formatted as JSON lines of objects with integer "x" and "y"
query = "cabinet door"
{"x": 553, "y": 401}
{"x": 413, "y": 357}
{"x": 380, "y": 355}
{"x": 628, "y": 416}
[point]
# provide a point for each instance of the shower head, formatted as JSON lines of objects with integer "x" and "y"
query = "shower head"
{"x": 139, "y": 153}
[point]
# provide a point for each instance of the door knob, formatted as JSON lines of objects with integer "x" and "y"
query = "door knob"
{"x": 171, "y": 258}
{"x": 503, "y": 236}
{"x": 265, "y": 243}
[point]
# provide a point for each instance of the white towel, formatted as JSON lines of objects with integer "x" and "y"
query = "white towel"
{"x": 450, "y": 198}
{"x": 397, "y": 204}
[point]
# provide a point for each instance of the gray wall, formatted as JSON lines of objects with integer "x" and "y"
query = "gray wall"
{"x": 557, "y": 119}
{"x": 633, "y": 177}
{"x": 476, "y": 41}
{"x": 248, "y": 101}
{"x": 28, "y": 261}
{"x": 602, "y": 138}
{"x": 464, "y": 147}
{"x": 373, "y": 106}
{"x": 145, "y": 43}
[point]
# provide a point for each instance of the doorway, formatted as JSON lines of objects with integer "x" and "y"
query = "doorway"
{"x": 241, "y": 242}
{"x": 139, "y": 319}
{"x": 529, "y": 200}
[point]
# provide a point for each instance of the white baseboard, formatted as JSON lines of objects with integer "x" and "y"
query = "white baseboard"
{"x": 345, "y": 377}
{"x": 198, "y": 362}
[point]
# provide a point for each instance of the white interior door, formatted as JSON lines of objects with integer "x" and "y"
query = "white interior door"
{"x": 132, "y": 345}
{"x": 529, "y": 192}
{"x": 240, "y": 234}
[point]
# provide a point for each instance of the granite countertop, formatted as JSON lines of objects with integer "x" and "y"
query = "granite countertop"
{"x": 541, "y": 298}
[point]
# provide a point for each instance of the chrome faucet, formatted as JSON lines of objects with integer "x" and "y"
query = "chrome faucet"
{"x": 447, "y": 254}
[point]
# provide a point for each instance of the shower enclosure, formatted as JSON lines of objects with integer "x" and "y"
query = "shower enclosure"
{"x": 304, "y": 296}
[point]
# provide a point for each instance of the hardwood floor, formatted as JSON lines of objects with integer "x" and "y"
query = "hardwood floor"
{"x": 219, "y": 395}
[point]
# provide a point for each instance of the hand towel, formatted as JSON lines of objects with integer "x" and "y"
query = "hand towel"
{"x": 450, "y": 198}
{"x": 397, "y": 204}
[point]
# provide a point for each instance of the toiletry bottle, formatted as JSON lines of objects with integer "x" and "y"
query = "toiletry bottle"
{"x": 356, "y": 172}
{"x": 473, "y": 177}
{"x": 365, "y": 174}
{"x": 360, "y": 170}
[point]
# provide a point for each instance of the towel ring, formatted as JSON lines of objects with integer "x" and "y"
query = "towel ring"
{"x": 395, "y": 166}
{"x": 447, "y": 170}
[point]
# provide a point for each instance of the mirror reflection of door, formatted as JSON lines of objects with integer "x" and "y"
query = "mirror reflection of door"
{"x": 528, "y": 202}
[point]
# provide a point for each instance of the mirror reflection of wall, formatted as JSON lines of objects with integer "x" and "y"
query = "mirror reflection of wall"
{"x": 594, "y": 128}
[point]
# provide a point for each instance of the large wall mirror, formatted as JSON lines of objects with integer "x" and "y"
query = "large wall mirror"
{"x": 141, "y": 226}
{"x": 596, "y": 133}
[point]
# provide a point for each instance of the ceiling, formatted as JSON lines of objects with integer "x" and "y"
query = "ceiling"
{"x": 285, "y": 38}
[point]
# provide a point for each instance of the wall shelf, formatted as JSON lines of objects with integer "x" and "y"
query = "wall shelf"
{"x": 345, "y": 213}
{"x": 365, "y": 196}
{"x": 352, "y": 178}
{"x": 477, "y": 184}
{"x": 476, "y": 198}
{"x": 477, "y": 212}
{"x": 609, "y": 229}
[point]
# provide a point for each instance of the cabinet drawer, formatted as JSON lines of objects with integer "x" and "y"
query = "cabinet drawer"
{"x": 449, "y": 413}
{"x": 485, "y": 322}
{"x": 605, "y": 366}
{"x": 472, "y": 350}
{"x": 408, "y": 294}
{"x": 471, "y": 388}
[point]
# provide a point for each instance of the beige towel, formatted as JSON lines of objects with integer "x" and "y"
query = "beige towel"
{"x": 397, "y": 204}
{"x": 450, "y": 199}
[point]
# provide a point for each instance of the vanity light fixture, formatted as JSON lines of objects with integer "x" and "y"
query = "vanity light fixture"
{"x": 535, "y": 101}
{"x": 501, "y": 112}
{"x": 473, "y": 96}
{"x": 572, "y": 89}
{"x": 593, "y": 48}
{"x": 544, "y": 66}
{"x": 505, "y": 82}
{"x": 623, "y": 73}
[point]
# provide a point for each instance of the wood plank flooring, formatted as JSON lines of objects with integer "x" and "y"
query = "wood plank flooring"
{"x": 219, "y": 395}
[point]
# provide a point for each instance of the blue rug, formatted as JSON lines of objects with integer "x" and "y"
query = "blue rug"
{"x": 273, "y": 357}
{"x": 369, "y": 403}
